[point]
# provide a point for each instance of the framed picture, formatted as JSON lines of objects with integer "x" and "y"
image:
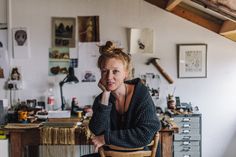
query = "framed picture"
{"x": 141, "y": 40}
{"x": 63, "y": 32}
{"x": 88, "y": 29}
{"x": 192, "y": 60}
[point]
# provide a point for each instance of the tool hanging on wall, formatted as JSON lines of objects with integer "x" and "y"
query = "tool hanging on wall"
{"x": 160, "y": 69}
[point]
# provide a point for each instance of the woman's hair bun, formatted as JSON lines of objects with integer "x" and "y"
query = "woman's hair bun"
{"x": 109, "y": 47}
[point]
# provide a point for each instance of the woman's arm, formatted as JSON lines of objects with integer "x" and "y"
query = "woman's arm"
{"x": 101, "y": 117}
{"x": 101, "y": 111}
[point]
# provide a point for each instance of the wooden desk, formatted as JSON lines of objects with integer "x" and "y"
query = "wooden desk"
{"x": 166, "y": 141}
{"x": 20, "y": 138}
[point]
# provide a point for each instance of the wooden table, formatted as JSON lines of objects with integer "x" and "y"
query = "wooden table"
{"x": 166, "y": 141}
{"x": 21, "y": 138}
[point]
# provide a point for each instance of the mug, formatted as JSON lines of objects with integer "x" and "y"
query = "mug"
{"x": 80, "y": 114}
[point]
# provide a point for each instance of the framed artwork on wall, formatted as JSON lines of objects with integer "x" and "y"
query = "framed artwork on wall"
{"x": 63, "y": 32}
{"x": 88, "y": 29}
{"x": 141, "y": 40}
{"x": 192, "y": 60}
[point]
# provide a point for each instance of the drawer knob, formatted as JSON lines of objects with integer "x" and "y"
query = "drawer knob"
{"x": 186, "y": 137}
{"x": 186, "y": 148}
{"x": 186, "y": 143}
{"x": 186, "y": 120}
{"x": 186, "y": 131}
{"x": 186, "y": 125}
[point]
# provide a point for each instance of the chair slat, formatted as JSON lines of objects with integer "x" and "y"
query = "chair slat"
{"x": 134, "y": 152}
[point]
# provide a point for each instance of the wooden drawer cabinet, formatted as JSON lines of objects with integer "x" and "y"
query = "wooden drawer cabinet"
{"x": 187, "y": 142}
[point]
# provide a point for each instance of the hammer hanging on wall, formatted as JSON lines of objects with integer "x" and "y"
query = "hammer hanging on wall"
{"x": 160, "y": 69}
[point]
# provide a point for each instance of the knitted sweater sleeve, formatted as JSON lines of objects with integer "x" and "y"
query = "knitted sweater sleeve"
{"x": 101, "y": 117}
{"x": 146, "y": 124}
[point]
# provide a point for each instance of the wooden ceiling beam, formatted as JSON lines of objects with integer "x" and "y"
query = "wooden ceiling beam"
{"x": 228, "y": 30}
{"x": 172, "y": 4}
{"x": 198, "y": 17}
{"x": 194, "y": 15}
{"x": 160, "y": 3}
{"x": 210, "y": 22}
{"x": 210, "y": 5}
{"x": 228, "y": 27}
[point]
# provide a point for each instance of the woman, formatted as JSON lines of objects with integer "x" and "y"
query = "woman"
{"x": 124, "y": 113}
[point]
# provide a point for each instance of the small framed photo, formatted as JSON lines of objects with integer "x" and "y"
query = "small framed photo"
{"x": 192, "y": 60}
{"x": 63, "y": 32}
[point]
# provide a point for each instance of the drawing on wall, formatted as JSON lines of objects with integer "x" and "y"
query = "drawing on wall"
{"x": 59, "y": 60}
{"x": 88, "y": 76}
{"x": 152, "y": 81}
{"x": 20, "y": 42}
{"x": 88, "y": 27}
{"x": 20, "y": 37}
{"x": 63, "y": 32}
{"x": 192, "y": 60}
{"x": 15, "y": 74}
{"x": 141, "y": 40}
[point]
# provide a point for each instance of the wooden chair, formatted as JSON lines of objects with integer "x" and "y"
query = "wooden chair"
{"x": 131, "y": 152}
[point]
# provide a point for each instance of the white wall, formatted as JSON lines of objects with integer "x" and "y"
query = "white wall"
{"x": 3, "y": 11}
{"x": 214, "y": 95}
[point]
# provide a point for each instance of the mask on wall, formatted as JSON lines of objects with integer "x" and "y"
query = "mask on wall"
{"x": 20, "y": 37}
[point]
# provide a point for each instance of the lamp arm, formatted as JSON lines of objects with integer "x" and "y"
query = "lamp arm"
{"x": 62, "y": 99}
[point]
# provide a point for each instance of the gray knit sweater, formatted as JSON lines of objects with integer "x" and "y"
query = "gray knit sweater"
{"x": 141, "y": 121}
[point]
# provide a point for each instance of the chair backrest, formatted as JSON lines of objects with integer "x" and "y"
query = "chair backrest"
{"x": 131, "y": 152}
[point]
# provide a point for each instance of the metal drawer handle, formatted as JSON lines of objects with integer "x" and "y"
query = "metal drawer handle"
{"x": 186, "y": 125}
{"x": 186, "y": 137}
{"x": 186, "y": 131}
{"x": 186, "y": 148}
{"x": 187, "y": 156}
{"x": 186, "y": 143}
{"x": 186, "y": 120}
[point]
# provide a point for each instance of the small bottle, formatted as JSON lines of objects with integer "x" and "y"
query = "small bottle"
{"x": 74, "y": 106}
{"x": 50, "y": 99}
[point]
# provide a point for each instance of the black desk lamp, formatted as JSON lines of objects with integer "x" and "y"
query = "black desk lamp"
{"x": 70, "y": 78}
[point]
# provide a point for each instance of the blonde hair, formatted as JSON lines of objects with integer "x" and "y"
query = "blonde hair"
{"x": 108, "y": 51}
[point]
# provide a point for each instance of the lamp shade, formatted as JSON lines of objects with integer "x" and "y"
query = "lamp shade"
{"x": 70, "y": 78}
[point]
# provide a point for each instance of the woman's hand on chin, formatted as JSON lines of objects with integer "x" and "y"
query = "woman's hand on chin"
{"x": 102, "y": 86}
{"x": 105, "y": 94}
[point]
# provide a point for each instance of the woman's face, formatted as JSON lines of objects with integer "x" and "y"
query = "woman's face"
{"x": 113, "y": 73}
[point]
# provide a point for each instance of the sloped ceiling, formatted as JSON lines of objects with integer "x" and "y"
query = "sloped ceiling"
{"x": 218, "y": 16}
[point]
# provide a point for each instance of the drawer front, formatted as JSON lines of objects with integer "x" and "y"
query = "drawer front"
{"x": 186, "y": 143}
{"x": 187, "y": 137}
{"x": 188, "y": 125}
{"x": 187, "y": 119}
{"x": 189, "y": 131}
{"x": 187, "y": 154}
{"x": 187, "y": 148}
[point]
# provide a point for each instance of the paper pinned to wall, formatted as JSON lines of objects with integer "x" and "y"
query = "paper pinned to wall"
{"x": 21, "y": 44}
{"x": 90, "y": 52}
{"x": 3, "y": 38}
{"x": 141, "y": 40}
{"x": 4, "y": 63}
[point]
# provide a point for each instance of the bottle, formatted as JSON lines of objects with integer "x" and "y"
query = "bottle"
{"x": 50, "y": 100}
{"x": 74, "y": 106}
